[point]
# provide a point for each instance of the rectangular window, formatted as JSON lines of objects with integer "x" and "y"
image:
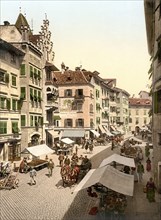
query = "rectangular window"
{"x": 137, "y": 121}
{"x": 68, "y": 122}
{"x": 13, "y": 80}
{"x": 144, "y": 112}
{"x": 31, "y": 71}
{"x": 2, "y": 102}
{"x": 23, "y": 92}
{"x": 137, "y": 112}
{"x": 80, "y": 122}
{"x": 23, "y": 70}
{"x": 23, "y": 120}
{"x": 68, "y": 93}
{"x": 145, "y": 121}
{"x": 79, "y": 106}
{"x": 3, "y": 127}
{"x": 14, "y": 102}
{"x": 15, "y": 127}
{"x": 31, "y": 120}
{"x": 2, "y": 76}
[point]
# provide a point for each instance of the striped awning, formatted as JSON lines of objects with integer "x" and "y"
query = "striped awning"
{"x": 102, "y": 129}
{"x": 95, "y": 133}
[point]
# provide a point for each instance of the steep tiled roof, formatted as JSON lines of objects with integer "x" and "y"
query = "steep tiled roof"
{"x": 71, "y": 77}
{"x": 139, "y": 102}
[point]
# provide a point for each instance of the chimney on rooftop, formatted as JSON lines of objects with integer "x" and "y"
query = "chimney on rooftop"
{"x": 62, "y": 67}
{"x": 6, "y": 23}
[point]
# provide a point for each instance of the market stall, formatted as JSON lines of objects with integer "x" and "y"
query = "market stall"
{"x": 67, "y": 146}
{"x": 118, "y": 159}
{"x": 110, "y": 186}
{"x": 36, "y": 152}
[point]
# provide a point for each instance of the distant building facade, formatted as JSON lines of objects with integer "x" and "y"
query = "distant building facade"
{"x": 139, "y": 113}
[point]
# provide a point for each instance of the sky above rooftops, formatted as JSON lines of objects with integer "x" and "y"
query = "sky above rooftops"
{"x": 104, "y": 36}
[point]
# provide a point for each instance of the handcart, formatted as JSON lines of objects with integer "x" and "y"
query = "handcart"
{"x": 9, "y": 182}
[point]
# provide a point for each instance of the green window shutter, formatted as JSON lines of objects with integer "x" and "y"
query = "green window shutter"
{"x": 36, "y": 121}
{"x": 13, "y": 80}
{"x": 15, "y": 128}
{"x": 39, "y": 96}
{"x": 8, "y": 104}
{"x": 23, "y": 120}
{"x": 35, "y": 73}
{"x": 35, "y": 96}
{"x": 31, "y": 94}
{"x": 39, "y": 75}
{"x": 19, "y": 104}
{"x": 31, "y": 120}
{"x": 31, "y": 71}
{"x": 6, "y": 78}
{"x": 3, "y": 127}
{"x": 23, "y": 70}
{"x": 40, "y": 120}
{"x": 14, "y": 104}
{"x": 23, "y": 93}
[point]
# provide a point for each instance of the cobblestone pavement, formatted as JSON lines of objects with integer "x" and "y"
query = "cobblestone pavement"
{"x": 48, "y": 200}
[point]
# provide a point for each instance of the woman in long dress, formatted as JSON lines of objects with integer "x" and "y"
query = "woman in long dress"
{"x": 148, "y": 165}
{"x": 150, "y": 186}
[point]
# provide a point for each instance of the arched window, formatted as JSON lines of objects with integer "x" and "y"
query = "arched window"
{"x": 48, "y": 89}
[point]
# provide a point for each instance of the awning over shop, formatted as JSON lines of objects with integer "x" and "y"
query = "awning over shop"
{"x": 116, "y": 132}
{"x": 38, "y": 150}
{"x": 110, "y": 178}
{"x": 73, "y": 133}
{"x": 55, "y": 134}
{"x": 67, "y": 141}
{"x": 112, "y": 128}
{"x": 95, "y": 133}
{"x": 118, "y": 159}
{"x": 107, "y": 131}
{"x": 102, "y": 129}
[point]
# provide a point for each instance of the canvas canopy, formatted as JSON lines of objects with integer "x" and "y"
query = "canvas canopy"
{"x": 67, "y": 141}
{"x": 55, "y": 134}
{"x": 73, "y": 133}
{"x": 107, "y": 131}
{"x": 95, "y": 133}
{"x": 110, "y": 178}
{"x": 119, "y": 159}
{"x": 38, "y": 150}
